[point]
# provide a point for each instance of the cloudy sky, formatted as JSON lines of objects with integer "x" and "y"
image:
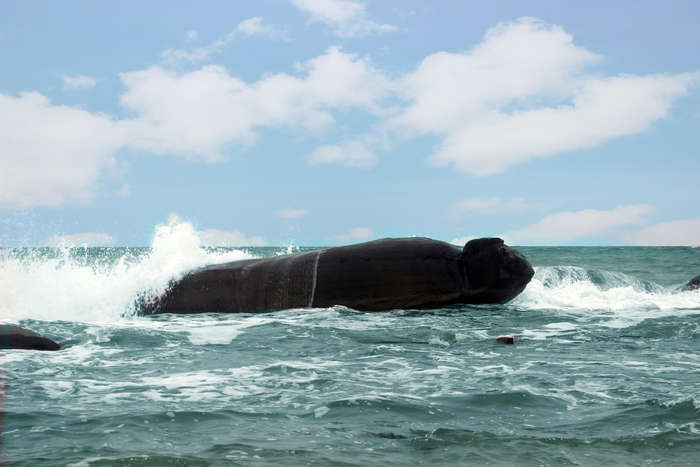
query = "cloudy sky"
{"x": 323, "y": 122}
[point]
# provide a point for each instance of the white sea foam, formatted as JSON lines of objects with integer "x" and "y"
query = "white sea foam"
{"x": 617, "y": 299}
{"x": 214, "y": 334}
{"x": 63, "y": 288}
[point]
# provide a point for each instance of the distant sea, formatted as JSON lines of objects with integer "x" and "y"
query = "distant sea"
{"x": 605, "y": 369}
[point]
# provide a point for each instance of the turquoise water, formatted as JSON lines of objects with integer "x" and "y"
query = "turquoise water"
{"x": 605, "y": 369}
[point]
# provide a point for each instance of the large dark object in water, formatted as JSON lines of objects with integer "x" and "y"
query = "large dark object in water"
{"x": 693, "y": 284}
{"x": 15, "y": 337}
{"x": 388, "y": 274}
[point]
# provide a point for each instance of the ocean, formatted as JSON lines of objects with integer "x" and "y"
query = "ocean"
{"x": 605, "y": 368}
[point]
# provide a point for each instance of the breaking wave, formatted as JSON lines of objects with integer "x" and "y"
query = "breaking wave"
{"x": 621, "y": 298}
{"x": 75, "y": 284}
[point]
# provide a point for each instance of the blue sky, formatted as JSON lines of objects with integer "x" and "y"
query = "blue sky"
{"x": 324, "y": 122}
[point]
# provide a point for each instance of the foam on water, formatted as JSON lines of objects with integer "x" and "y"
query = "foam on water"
{"x": 619, "y": 299}
{"x": 64, "y": 289}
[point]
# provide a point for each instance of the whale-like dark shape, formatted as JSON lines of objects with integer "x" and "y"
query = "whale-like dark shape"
{"x": 387, "y": 274}
{"x": 15, "y": 337}
{"x": 693, "y": 284}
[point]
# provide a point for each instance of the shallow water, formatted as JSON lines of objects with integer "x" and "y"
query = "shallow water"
{"x": 605, "y": 369}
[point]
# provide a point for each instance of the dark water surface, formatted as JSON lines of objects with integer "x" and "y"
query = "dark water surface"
{"x": 605, "y": 369}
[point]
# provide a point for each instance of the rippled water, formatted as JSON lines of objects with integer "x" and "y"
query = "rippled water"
{"x": 605, "y": 369}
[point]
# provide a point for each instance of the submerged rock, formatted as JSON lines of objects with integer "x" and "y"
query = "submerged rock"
{"x": 507, "y": 340}
{"x": 693, "y": 284}
{"x": 387, "y": 274}
{"x": 15, "y": 337}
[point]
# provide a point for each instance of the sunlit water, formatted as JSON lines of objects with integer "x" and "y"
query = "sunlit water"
{"x": 605, "y": 369}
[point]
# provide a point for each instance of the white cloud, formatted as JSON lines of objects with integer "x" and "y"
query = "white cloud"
{"x": 86, "y": 239}
{"x": 492, "y": 205}
{"x": 346, "y": 18}
{"x": 347, "y": 153}
{"x": 214, "y": 237}
{"x": 57, "y": 158}
{"x": 78, "y": 82}
{"x": 570, "y": 225}
{"x": 523, "y": 93}
{"x": 249, "y": 27}
{"x": 195, "y": 114}
{"x": 292, "y": 213}
{"x": 684, "y": 232}
{"x": 355, "y": 234}
{"x": 124, "y": 191}
{"x": 256, "y": 27}
{"x": 343, "y": 79}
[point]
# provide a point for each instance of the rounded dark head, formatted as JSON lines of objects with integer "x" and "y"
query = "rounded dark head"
{"x": 495, "y": 273}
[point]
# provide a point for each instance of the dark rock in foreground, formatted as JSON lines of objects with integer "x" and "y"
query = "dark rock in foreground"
{"x": 15, "y": 337}
{"x": 506, "y": 340}
{"x": 693, "y": 284}
{"x": 387, "y": 274}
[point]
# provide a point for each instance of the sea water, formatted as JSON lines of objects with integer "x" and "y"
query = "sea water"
{"x": 605, "y": 368}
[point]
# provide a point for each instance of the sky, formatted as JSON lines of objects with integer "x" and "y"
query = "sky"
{"x": 325, "y": 122}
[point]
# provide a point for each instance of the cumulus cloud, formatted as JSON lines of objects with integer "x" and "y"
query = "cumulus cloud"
{"x": 85, "y": 239}
{"x": 685, "y": 232}
{"x": 522, "y": 93}
{"x": 78, "y": 81}
{"x": 214, "y": 237}
{"x": 195, "y": 114}
{"x": 353, "y": 235}
{"x": 571, "y": 225}
{"x": 51, "y": 154}
{"x": 492, "y": 205}
{"x": 346, "y": 18}
{"x": 191, "y": 114}
{"x": 292, "y": 213}
{"x": 348, "y": 153}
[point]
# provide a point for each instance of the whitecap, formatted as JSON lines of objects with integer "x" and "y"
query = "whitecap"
{"x": 63, "y": 285}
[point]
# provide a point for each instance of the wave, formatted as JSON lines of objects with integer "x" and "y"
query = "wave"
{"x": 619, "y": 298}
{"x": 74, "y": 284}
{"x": 103, "y": 285}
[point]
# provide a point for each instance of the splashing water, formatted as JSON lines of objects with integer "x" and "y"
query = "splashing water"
{"x": 62, "y": 284}
{"x": 103, "y": 285}
{"x": 613, "y": 298}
